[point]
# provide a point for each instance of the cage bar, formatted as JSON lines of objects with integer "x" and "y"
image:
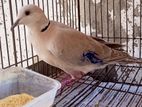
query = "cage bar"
{"x": 112, "y": 20}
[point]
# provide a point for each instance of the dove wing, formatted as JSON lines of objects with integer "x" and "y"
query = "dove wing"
{"x": 72, "y": 46}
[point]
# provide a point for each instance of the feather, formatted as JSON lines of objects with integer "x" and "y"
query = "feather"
{"x": 111, "y": 45}
{"x": 92, "y": 57}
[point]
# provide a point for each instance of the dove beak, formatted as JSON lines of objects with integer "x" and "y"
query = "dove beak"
{"x": 15, "y": 24}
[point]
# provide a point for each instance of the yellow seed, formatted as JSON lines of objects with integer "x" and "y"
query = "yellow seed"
{"x": 16, "y": 100}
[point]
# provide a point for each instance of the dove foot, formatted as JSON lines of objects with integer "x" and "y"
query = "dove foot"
{"x": 70, "y": 79}
{"x": 67, "y": 81}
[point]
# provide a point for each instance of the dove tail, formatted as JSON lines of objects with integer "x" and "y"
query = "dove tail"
{"x": 124, "y": 58}
{"x": 131, "y": 60}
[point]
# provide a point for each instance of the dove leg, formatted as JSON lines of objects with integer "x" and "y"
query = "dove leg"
{"x": 70, "y": 79}
{"x": 74, "y": 75}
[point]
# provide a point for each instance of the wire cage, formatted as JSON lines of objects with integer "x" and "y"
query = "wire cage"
{"x": 116, "y": 21}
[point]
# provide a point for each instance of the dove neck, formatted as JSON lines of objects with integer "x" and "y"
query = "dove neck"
{"x": 38, "y": 25}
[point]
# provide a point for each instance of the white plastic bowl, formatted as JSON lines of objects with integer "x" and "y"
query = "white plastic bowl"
{"x": 18, "y": 80}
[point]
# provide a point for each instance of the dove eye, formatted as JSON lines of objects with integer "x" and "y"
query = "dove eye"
{"x": 27, "y": 13}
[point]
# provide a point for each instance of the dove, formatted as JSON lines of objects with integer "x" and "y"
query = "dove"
{"x": 66, "y": 48}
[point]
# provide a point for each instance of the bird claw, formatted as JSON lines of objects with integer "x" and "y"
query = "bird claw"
{"x": 69, "y": 80}
{"x": 65, "y": 83}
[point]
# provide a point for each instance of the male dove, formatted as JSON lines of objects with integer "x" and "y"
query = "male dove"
{"x": 66, "y": 48}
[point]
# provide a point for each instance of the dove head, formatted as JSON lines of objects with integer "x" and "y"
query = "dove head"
{"x": 29, "y": 15}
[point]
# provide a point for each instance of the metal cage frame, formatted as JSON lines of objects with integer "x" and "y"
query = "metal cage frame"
{"x": 93, "y": 18}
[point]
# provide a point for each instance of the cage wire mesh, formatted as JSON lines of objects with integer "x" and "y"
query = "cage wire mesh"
{"x": 116, "y": 21}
